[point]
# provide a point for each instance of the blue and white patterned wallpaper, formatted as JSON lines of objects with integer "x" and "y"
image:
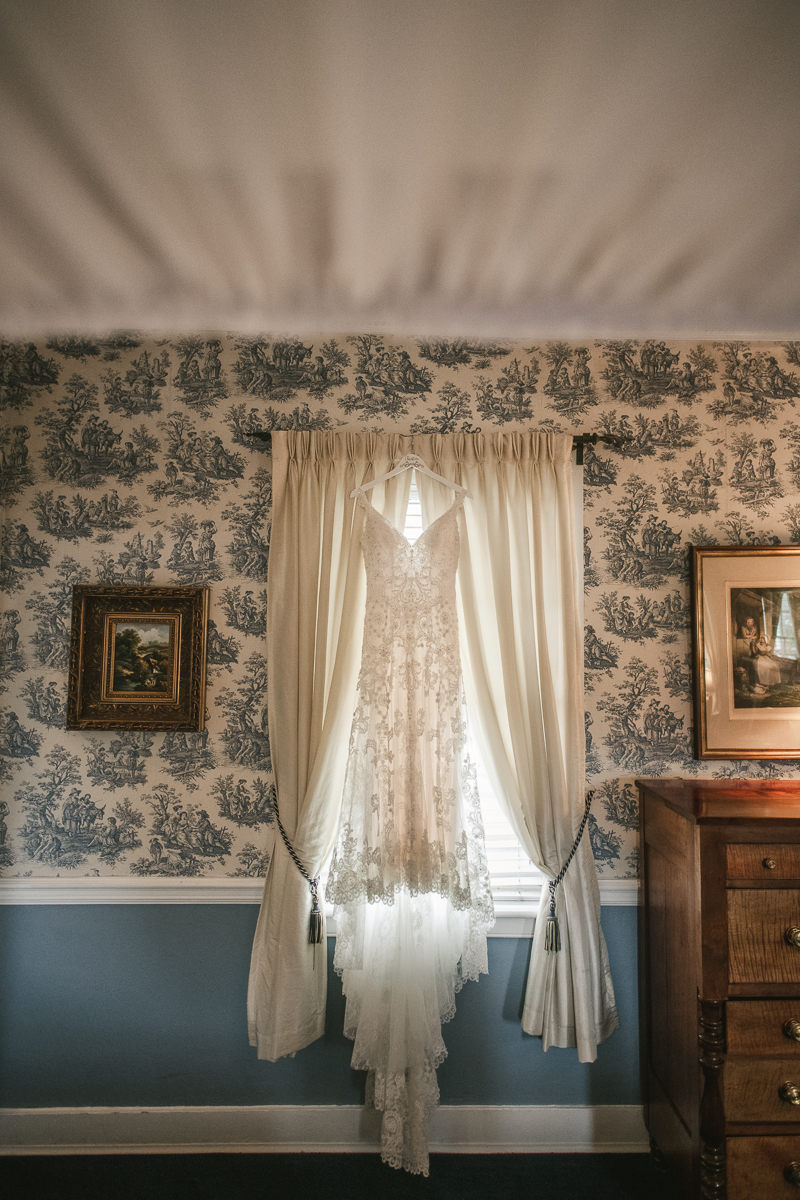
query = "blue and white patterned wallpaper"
{"x": 127, "y": 460}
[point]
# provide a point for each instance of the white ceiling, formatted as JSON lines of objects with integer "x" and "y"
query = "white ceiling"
{"x": 475, "y": 166}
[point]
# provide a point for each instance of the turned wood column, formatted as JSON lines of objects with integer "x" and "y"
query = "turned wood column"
{"x": 712, "y": 1110}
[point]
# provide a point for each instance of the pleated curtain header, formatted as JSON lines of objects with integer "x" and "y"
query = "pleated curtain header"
{"x": 471, "y": 449}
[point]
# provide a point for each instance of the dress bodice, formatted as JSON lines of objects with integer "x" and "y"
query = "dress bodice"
{"x": 411, "y": 624}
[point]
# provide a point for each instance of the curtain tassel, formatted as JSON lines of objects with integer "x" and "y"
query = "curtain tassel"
{"x": 552, "y": 934}
{"x": 315, "y": 920}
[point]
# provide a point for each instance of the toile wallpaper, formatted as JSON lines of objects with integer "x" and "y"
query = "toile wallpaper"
{"x": 127, "y": 460}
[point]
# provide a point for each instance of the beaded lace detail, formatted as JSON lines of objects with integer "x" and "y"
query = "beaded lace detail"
{"x": 409, "y": 877}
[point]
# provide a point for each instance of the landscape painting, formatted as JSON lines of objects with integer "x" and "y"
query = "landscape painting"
{"x": 141, "y": 658}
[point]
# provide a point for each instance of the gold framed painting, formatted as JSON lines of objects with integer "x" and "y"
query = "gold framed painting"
{"x": 137, "y": 658}
{"x": 746, "y": 651}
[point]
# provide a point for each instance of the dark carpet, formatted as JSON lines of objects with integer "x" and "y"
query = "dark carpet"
{"x": 308, "y": 1176}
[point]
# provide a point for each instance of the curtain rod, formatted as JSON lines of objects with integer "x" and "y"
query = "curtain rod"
{"x": 578, "y": 442}
{"x": 591, "y": 439}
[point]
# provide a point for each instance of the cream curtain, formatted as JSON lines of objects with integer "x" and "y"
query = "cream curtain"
{"x": 522, "y": 660}
{"x": 522, "y": 656}
{"x": 315, "y": 614}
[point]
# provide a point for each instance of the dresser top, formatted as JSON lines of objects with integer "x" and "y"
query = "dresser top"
{"x": 709, "y": 800}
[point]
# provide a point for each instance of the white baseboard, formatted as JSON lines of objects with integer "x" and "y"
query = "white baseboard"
{"x": 281, "y": 1129}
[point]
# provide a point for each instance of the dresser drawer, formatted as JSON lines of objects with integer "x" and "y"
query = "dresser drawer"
{"x": 757, "y": 1027}
{"x": 757, "y": 925}
{"x": 753, "y": 1090}
{"x": 756, "y": 1167}
{"x": 748, "y": 860}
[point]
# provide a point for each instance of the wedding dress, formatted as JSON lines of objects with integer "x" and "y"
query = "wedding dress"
{"x": 408, "y": 877}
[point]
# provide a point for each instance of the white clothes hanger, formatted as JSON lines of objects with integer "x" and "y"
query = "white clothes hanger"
{"x": 407, "y": 463}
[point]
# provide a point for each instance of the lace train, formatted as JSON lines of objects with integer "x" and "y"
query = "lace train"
{"x": 401, "y": 966}
{"x": 406, "y": 1102}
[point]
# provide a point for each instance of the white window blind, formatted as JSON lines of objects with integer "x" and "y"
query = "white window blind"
{"x": 516, "y": 883}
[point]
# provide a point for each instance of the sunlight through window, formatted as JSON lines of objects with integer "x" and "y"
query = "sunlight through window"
{"x": 785, "y": 637}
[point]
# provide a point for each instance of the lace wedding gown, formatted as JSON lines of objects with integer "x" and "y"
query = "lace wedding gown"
{"x": 408, "y": 877}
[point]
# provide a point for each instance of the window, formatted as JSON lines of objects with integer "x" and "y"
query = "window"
{"x": 785, "y": 638}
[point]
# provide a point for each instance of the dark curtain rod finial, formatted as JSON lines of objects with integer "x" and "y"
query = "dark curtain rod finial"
{"x": 591, "y": 439}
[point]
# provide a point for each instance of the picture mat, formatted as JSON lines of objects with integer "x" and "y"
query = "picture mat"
{"x": 765, "y": 730}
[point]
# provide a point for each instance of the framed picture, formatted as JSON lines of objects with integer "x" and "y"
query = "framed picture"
{"x": 746, "y": 651}
{"x": 137, "y": 658}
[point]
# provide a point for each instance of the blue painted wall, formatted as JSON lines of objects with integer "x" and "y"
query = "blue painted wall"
{"x": 145, "y": 1005}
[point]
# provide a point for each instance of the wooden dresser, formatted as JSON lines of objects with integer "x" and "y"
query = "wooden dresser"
{"x": 719, "y": 963}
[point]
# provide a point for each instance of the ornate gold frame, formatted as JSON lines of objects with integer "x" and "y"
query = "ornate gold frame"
{"x": 725, "y": 724}
{"x": 176, "y": 701}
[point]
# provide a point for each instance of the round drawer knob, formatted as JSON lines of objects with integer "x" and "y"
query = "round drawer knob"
{"x": 792, "y": 1029}
{"x": 792, "y": 1174}
{"x": 789, "y": 1092}
{"x": 770, "y": 864}
{"x": 793, "y": 936}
